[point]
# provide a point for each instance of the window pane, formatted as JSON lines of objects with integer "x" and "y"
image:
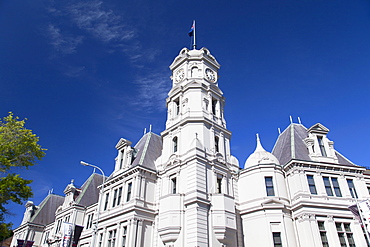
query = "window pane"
{"x": 327, "y": 184}
{"x": 311, "y": 184}
{"x": 321, "y": 225}
{"x": 324, "y": 239}
{"x": 277, "y": 239}
{"x": 269, "y": 186}
{"x": 351, "y": 187}
{"x": 339, "y": 227}
{"x": 351, "y": 241}
{"x": 342, "y": 240}
{"x": 336, "y": 187}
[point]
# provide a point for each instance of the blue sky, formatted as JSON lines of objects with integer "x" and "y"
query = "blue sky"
{"x": 88, "y": 72}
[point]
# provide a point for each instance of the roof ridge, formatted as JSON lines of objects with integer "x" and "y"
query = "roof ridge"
{"x": 145, "y": 148}
{"x": 292, "y": 142}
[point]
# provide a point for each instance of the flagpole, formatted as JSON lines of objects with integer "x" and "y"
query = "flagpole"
{"x": 194, "y": 45}
{"x": 361, "y": 217}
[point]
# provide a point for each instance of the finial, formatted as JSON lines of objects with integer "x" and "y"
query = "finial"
{"x": 144, "y": 131}
{"x": 72, "y": 181}
{"x": 150, "y": 128}
{"x": 196, "y": 135}
{"x": 279, "y": 131}
{"x": 291, "y": 120}
{"x": 259, "y": 145}
{"x": 299, "y": 120}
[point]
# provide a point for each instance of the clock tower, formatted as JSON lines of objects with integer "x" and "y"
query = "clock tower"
{"x": 197, "y": 173}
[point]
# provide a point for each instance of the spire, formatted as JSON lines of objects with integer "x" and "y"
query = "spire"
{"x": 259, "y": 145}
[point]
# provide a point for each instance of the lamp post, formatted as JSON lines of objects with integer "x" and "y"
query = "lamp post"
{"x": 99, "y": 201}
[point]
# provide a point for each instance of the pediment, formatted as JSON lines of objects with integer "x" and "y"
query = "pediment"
{"x": 318, "y": 128}
{"x": 122, "y": 143}
{"x": 272, "y": 202}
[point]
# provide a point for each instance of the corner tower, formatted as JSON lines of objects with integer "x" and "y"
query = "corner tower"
{"x": 196, "y": 171}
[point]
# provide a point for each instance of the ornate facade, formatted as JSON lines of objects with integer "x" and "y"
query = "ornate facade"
{"x": 184, "y": 187}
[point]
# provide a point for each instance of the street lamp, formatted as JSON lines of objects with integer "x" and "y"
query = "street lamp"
{"x": 99, "y": 201}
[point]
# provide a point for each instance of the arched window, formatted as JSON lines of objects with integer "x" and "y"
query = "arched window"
{"x": 214, "y": 102}
{"x": 217, "y": 149}
{"x": 174, "y": 143}
{"x": 177, "y": 106}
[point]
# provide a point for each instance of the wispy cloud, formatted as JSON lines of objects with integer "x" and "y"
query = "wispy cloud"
{"x": 153, "y": 91}
{"x": 102, "y": 24}
{"x": 91, "y": 17}
{"x": 66, "y": 44}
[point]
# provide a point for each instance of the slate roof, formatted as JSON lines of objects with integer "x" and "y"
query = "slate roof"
{"x": 290, "y": 145}
{"x": 89, "y": 190}
{"x": 148, "y": 148}
{"x": 45, "y": 214}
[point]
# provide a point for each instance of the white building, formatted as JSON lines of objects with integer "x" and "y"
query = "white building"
{"x": 184, "y": 187}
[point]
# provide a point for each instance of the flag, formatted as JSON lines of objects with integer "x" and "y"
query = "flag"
{"x": 191, "y": 31}
{"x": 66, "y": 234}
{"x": 354, "y": 209}
{"x": 76, "y": 235}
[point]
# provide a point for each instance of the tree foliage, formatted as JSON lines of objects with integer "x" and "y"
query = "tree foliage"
{"x": 18, "y": 148}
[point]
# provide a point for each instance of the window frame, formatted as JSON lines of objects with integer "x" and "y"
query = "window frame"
{"x": 269, "y": 185}
{"x": 311, "y": 184}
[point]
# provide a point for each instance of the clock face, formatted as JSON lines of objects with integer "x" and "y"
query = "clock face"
{"x": 179, "y": 76}
{"x": 210, "y": 75}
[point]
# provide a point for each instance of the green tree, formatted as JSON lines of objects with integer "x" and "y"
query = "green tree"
{"x": 19, "y": 148}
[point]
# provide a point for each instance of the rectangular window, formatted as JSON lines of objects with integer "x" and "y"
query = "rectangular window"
{"x": 324, "y": 239}
{"x": 114, "y": 198}
{"x": 219, "y": 185}
{"x": 121, "y": 160}
{"x": 67, "y": 219}
{"x": 129, "y": 188}
{"x": 124, "y": 236}
{"x": 311, "y": 184}
{"x": 46, "y": 237}
{"x": 331, "y": 184}
{"x": 345, "y": 234}
{"x": 342, "y": 240}
{"x": 119, "y": 196}
{"x": 59, "y": 224}
{"x": 334, "y": 182}
{"x": 352, "y": 189}
{"x": 349, "y": 235}
{"x": 89, "y": 221}
{"x": 173, "y": 185}
{"x": 112, "y": 238}
{"x": 269, "y": 186}
{"x": 100, "y": 240}
{"x": 276, "y": 236}
{"x": 327, "y": 184}
{"x": 321, "y": 145}
{"x": 106, "y": 201}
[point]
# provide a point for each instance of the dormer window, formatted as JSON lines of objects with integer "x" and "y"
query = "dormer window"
{"x": 321, "y": 145}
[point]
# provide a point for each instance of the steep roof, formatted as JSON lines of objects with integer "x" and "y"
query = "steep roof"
{"x": 290, "y": 145}
{"x": 149, "y": 148}
{"x": 45, "y": 214}
{"x": 89, "y": 190}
